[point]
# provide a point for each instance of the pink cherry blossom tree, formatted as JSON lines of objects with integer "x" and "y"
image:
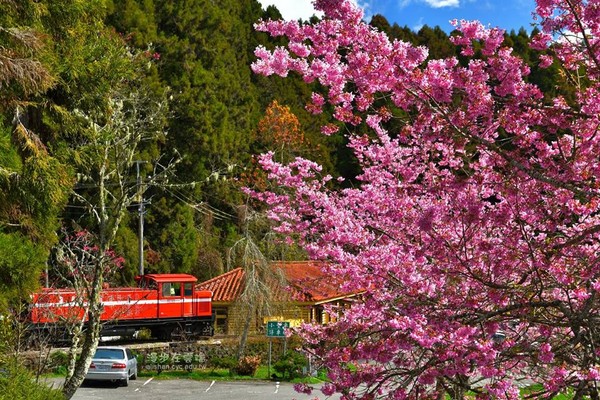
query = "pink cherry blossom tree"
{"x": 474, "y": 228}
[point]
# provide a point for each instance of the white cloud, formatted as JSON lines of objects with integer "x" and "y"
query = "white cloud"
{"x": 292, "y": 9}
{"x": 443, "y": 3}
{"x": 296, "y": 9}
{"x": 418, "y": 26}
{"x": 432, "y": 3}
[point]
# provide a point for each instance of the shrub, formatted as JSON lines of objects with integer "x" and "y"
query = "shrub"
{"x": 18, "y": 383}
{"x": 290, "y": 365}
{"x": 141, "y": 359}
{"x": 222, "y": 362}
{"x": 143, "y": 334}
{"x": 59, "y": 361}
{"x": 247, "y": 366}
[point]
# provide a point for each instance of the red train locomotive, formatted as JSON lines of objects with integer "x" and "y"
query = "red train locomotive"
{"x": 163, "y": 303}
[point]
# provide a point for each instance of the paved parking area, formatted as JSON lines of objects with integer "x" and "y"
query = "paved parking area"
{"x": 185, "y": 389}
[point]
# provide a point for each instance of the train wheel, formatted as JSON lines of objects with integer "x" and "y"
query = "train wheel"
{"x": 182, "y": 333}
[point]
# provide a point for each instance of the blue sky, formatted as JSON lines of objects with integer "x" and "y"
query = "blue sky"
{"x": 507, "y": 14}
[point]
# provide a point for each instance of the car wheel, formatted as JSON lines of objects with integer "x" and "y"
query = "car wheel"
{"x": 125, "y": 382}
{"x": 134, "y": 376}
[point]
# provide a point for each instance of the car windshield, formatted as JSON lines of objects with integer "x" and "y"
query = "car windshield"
{"x": 110, "y": 354}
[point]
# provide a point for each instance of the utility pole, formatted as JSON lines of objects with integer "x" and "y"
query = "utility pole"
{"x": 141, "y": 211}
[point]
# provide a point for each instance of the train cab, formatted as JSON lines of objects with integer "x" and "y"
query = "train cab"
{"x": 175, "y": 293}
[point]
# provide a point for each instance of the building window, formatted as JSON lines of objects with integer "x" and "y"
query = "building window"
{"x": 221, "y": 322}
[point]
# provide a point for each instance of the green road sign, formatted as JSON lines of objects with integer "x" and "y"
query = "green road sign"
{"x": 277, "y": 328}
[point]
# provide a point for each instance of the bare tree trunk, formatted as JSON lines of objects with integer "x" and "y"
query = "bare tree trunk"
{"x": 90, "y": 343}
{"x": 259, "y": 278}
{"x": 458, "y": 387}
{"x": 244, "y": 338}
{"x": 441, "y": 390}
{"x": 78, "y": 367}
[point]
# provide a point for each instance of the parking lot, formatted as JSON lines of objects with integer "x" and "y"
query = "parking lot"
{"x": 184, "y": 389}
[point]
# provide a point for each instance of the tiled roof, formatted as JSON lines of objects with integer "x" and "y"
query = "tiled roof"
{"x": 307, "y": 282}
{"x": 226, "y": 287}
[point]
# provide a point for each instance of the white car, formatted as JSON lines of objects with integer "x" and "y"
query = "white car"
{"x": 116, "y": 364}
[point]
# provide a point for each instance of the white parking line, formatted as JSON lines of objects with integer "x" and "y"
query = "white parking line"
{"x": 276, "y": 387}
{"x": 211, "y": 385}
{"x": 147, "y": 382}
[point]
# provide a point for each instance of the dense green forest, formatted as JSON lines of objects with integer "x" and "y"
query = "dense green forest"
{"x": 74, "y": 73}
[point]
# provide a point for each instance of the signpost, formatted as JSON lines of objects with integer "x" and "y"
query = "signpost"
{"x": 276, "y": 329}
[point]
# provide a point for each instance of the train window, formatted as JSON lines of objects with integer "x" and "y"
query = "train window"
{"x": 171, "y": 289}
{"x": 175, "y": 289}
{"x": 187, "y": 289}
